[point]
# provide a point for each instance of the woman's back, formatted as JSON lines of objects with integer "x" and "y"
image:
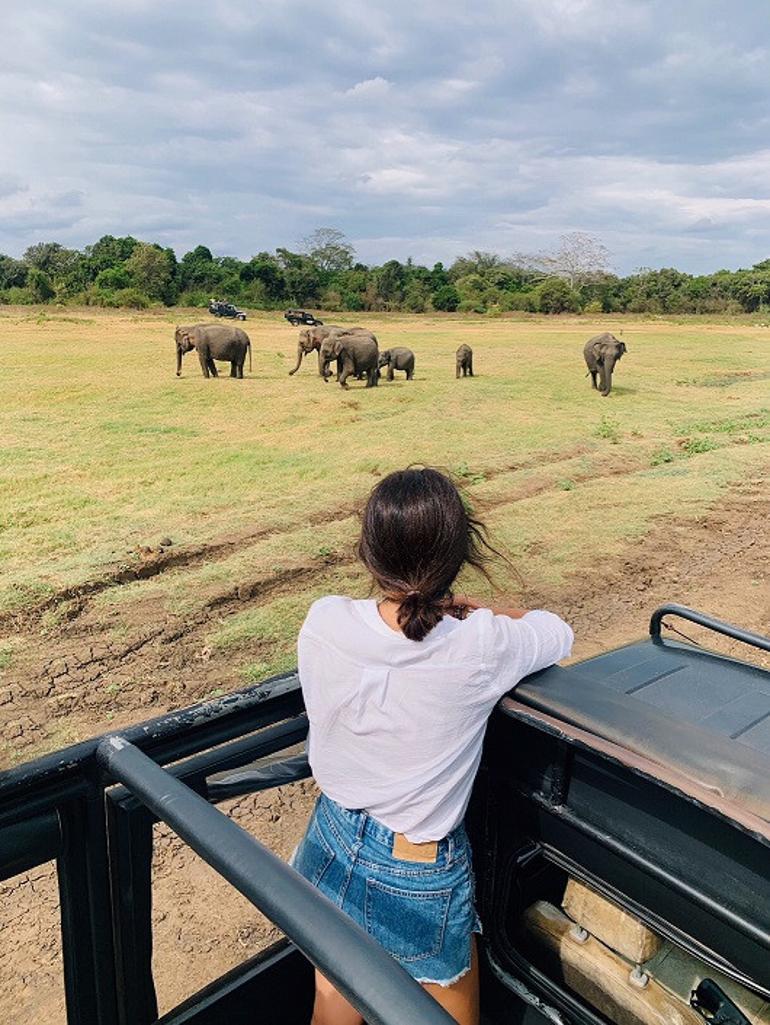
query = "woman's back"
{"x": 397, "y": 725}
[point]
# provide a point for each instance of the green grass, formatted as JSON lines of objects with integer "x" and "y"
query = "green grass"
{"x": 105, "y": 451}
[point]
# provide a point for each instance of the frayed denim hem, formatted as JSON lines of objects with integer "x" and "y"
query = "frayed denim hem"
{"x": 445, "y": 984}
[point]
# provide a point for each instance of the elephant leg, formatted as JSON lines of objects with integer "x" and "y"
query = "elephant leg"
{"x": 470, "y": 367}
{"x": 240, "y": 369}
{"x": 372, "y": 378}
{"x": 593, "y": 378}
{"x": 205, "y": 361}
{"x": 410, "y": 374}
{"x": 213, "y": 367}
{"x": 390, "y": 372}
{"x": 344, "y": 374}
{"x": 233, "y": 368}
{"x": 457, "y": 370}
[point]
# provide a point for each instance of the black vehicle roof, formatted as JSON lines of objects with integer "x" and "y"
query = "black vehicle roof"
{"x": 682, "y": 707}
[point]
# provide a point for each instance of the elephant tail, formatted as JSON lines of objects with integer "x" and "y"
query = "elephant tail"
{"x": 248, "y": 346}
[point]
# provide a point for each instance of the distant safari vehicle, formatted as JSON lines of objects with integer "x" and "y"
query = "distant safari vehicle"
{"x": 296, "y": 317}
{"x": 620, "y": 825}
{"x": 220, "y": 309}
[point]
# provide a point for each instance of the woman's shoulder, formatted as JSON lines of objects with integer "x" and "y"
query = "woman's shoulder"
{"x": 329, "y": 608}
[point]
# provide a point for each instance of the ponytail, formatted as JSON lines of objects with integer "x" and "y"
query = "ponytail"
{"x": 418, "y": 614}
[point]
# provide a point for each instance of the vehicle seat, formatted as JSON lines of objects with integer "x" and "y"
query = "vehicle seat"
{"x": 620, "y": 967}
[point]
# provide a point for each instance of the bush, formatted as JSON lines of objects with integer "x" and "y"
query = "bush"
{"x": 555, "y": 296}
{"x": 446, "y": 299}
{"x": 594, "y": 306}
{"x": 662, "y": 455}
{"x": 200, "y": 299}
{"x": 527, "y": 302}
{"x": 608, "y": 428}
{"x": 330, "y": 300}
{"x": 18, "y": 297}
{"x": 352, "y": 302}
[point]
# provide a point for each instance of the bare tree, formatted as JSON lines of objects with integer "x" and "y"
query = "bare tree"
{"x": 329, "y": 249}
{"x": 579, "y": 258}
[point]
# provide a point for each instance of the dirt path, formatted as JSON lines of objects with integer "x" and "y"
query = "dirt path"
{"x": 718, "y": 563}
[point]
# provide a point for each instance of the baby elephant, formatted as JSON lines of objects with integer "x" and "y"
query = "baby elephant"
{"x": 464, "y": 361}
{"x": 397, "y": 359}
{"x": 601, "y": 353}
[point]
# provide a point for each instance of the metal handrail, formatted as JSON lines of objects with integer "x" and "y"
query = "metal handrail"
{"x": 701, "y": 619}
{"x": 354, "y": 963}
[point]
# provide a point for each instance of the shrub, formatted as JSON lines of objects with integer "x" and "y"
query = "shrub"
{"x": 555, "y": 296}
{"x": 446, "y": 299}
{"x": 594, "y": 306}
{"x": 694, "y": 446}
{"x": 662, "y": 455}
{"x": 608, "y": 428}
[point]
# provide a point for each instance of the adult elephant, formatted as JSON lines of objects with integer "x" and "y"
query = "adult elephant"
{"x": 311, "y": 338}
{"x": 356, "y": 353}
{"x": 464, "y": 361}
{"x": 212, "y": 342}
{"x": 601, "y": 353}
{"x": 398, "y": 358}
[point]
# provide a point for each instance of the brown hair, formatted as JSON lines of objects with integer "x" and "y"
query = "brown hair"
{"x": 416, "y": 536}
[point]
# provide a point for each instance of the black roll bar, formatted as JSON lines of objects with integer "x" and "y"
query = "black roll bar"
{"x": 701, "y": 619}
{"x": 353, "y": 962}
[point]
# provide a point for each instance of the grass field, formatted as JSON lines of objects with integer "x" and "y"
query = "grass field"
{"x": 607, "y": 507}
{"x": 257, "y": 482}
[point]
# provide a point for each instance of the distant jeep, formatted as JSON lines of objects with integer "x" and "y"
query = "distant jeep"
{"x": 302, "y": 317}
{"x": 220, "y": 309}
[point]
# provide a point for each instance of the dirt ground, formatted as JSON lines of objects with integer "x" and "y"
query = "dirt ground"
{"x": 717, "y": 563}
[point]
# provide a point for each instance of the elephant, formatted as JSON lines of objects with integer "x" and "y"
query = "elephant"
{"x": 601, "y": 354}
{"x": 397, "y": 359}
{"x": 464, "y": 361}
{"x": 213, "y": 341}
{"x": 356, "y": 353}
{"x": 310, "y": 338}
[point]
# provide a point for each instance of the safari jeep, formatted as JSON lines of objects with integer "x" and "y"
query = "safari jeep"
{"x": 620, "y": 824}
{"x": 296, "y": 317}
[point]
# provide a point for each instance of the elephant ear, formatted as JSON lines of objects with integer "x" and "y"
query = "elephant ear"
{"x": 621, "y": 349}
{"x": 598, "y": 351}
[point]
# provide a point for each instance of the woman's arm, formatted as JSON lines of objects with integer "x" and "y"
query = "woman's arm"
{"x": 463, "y": 604}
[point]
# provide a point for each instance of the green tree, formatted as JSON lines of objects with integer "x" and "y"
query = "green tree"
{"x": 150, "y": 269}
{"x": 40, "y": 285}
{"x": 13, "y": 273}
{"x": 446, "y": 298}
{"x": 109, "y": 251}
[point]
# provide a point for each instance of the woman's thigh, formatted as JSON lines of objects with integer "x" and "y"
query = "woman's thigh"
{"x": 461, "y": 999}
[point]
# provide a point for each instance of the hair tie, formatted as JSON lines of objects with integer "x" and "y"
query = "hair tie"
{"x": 412, "y": 594}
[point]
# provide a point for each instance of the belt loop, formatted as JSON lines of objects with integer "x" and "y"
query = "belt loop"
{"x": 450, "y": 848}
{"x": 363, "y": 818}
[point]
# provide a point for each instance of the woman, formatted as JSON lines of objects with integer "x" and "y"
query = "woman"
{"x": 398, "y": 693}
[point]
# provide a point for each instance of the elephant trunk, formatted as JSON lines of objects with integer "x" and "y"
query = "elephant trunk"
{"x": 605, "y": 375}
{"x": 178, "y": 360}
{"x": 300, "y": 354}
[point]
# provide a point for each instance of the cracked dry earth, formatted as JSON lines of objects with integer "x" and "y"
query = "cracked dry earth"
{"x": 717, "y": 562}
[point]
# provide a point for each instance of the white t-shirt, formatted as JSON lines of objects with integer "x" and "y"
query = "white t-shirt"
{"x": 396, "y": 726}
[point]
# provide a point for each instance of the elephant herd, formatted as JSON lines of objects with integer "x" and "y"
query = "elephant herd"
{"x": 357, "y": 354}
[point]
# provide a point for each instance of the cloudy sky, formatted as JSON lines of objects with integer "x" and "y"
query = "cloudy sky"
{"x": 420, "y": 129}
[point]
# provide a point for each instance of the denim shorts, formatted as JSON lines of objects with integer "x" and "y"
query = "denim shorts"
{"x": 422, "y": 914}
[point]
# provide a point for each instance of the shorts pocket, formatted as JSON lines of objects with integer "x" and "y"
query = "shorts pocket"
{"x": 410, "y": 924}
{"x": 314, "y": 855}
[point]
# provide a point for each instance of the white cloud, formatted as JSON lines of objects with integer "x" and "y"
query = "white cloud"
{"x": 430, "y": 128}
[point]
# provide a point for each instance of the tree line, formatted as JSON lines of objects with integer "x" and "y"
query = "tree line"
{"x": 323, "y": 273}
